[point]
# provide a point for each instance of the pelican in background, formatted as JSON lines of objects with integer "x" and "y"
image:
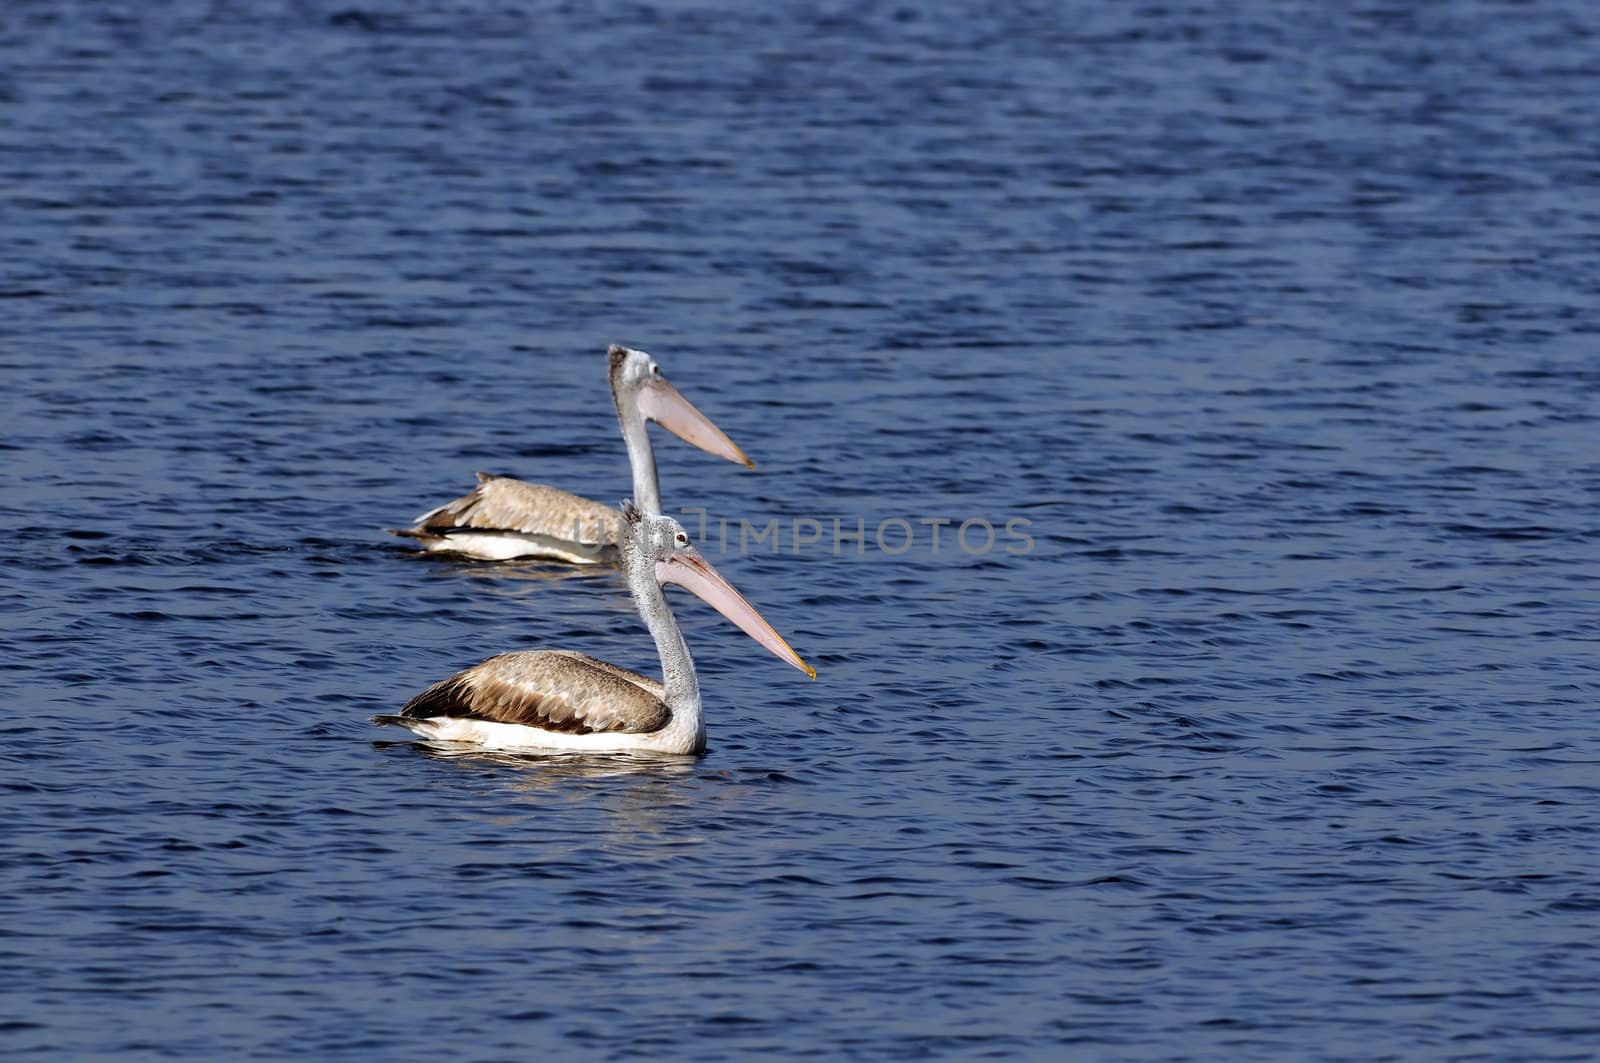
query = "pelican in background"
{"x": 559, "y": 701}
{"x": 505, "y": 518}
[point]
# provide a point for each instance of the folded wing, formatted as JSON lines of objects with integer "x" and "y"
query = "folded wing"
{"x": 553, "y": 690}
{"x": 502, "y": 503}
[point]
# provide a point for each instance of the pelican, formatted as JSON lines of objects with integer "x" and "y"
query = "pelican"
{"x": 541, "y": 701}
{"x": 504, "y": 518}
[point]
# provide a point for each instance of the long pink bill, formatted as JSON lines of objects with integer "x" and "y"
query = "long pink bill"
{"x": 695, "y": 573}
{"x": 662, "y": 403}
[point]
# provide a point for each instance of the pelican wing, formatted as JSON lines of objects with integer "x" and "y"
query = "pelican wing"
{"x": 501, "y": 503}
{"x": 554, "y": 690}
{"x": 651, "y": 686}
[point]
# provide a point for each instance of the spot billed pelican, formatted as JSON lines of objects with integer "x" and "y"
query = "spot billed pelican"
{"x": 559, "y": 701}
{"x": 504, "y": 518}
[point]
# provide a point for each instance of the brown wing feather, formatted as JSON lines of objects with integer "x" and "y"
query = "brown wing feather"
{"x": 501, "y": 503}
{"x": 550, "y": 689}
{"x": 644, "y": 682}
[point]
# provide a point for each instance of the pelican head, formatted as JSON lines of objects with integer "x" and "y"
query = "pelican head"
{"x": 658, "y": 545}
{"x": 637, "y": 385}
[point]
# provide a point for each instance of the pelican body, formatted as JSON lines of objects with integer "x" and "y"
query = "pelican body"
{"x": 544, "y": 701}
{"x": 504, "y": 518}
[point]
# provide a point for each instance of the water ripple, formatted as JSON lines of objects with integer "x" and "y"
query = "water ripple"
{"x": 1271, "y": 322}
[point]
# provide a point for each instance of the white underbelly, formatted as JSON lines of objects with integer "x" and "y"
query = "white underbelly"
{"x": 519, "y": 738}
{"x": 509, "y": 546}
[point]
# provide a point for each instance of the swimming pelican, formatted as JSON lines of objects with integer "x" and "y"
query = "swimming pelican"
{"x": 560, "y": 701}
{"x": 504, "y": 518}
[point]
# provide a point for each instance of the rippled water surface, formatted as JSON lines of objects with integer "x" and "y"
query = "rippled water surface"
{"x": 1271, "y": 327}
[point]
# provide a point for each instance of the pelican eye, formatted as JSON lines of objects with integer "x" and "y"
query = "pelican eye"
{"x": 655, "y": 370}
{"x": 683, "y": 540}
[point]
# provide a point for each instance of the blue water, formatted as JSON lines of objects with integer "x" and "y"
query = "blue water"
{"x": 1276, "y": 322}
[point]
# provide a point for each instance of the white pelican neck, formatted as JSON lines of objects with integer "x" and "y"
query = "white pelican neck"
{"x": 641, "y": 458}
{"x": 681, "y": 687}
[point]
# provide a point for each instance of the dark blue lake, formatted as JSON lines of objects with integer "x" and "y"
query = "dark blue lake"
{"x": 1270, "y": 729}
